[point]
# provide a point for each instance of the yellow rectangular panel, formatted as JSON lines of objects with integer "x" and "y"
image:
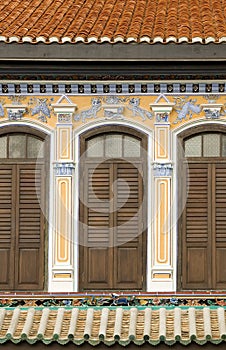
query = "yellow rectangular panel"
{"x": 162, "y": 146}
{"x": 62, "y": 275}
{"x": 162, "y": 221}
{"x": 63, "y": 219}
{"x": 64, "y": 143}
{"x": 162, "y": 275}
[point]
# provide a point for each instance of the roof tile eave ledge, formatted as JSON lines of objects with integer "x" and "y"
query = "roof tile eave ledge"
{"x": 79, "y": 50}
{"x": 171, "y": 39}
{"x": 110, "y": 326}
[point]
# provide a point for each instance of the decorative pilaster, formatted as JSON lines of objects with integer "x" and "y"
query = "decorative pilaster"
{"x": 62, "y": 246}
{"x": 162, "y": 269}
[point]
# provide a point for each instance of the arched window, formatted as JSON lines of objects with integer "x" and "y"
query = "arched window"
{"x": 112, "y": 209}
{"x": 203, "y": 221}
{"x": 24, "y": 157}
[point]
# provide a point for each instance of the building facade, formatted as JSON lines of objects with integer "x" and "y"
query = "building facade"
{"x": 112, "y": 173}
{"x": 113, "y": 185}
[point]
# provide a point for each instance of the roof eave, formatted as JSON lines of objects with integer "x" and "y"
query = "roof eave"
{"x": 112, "y": 52}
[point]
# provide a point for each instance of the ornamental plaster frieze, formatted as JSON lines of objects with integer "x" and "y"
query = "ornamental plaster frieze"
{"x": 19, "y": 106}
{"x": 76, "y": 109}
{"x": 113, "y": 108}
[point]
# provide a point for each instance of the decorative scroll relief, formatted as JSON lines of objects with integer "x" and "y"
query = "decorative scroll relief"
{"x": 63, "y": 208}
{"x": 162, "y": 234}
{"x": 185, "y": 108}
{"x": 35, "y": 106}
{"x": 64, "y": 118}
{"x": 41, "y": 108}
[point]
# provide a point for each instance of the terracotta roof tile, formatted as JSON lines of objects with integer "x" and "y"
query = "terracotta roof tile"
{"x": 148, "y": 21}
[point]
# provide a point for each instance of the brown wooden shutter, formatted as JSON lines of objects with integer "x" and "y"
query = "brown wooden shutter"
{"x": 219, "y": 223}
{"x": 196, "y": 228}
{"x": 29, "y": 257}
{"x": 96, "y": 227}
{"x": 7, "y": 226}
{"x": 112, "y": 213}
{"x": 128, "y": 227}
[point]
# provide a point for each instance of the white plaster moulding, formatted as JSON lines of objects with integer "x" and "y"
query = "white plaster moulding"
{"x": 160, "y": 107}
{"x": 28, "y": 122}
{"x": 64, "y": 108}
{"x": 216, "y": 106}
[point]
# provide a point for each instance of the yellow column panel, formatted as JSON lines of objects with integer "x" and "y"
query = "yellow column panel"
{"x": 162, "y": 221}
{"x": 64, "y": 143}
{"x": 162, "y": 143}
{"x": 63, "y": 220}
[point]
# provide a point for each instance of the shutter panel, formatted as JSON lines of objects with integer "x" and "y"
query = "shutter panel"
{"x": 220, "y": 222}
{"x": 128, "y": 229}
{"x": 196, "y": 228}
{"x": 29, "y": 257}
{"x": 7, "y": 221}
{"x": 97, "y": 226}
